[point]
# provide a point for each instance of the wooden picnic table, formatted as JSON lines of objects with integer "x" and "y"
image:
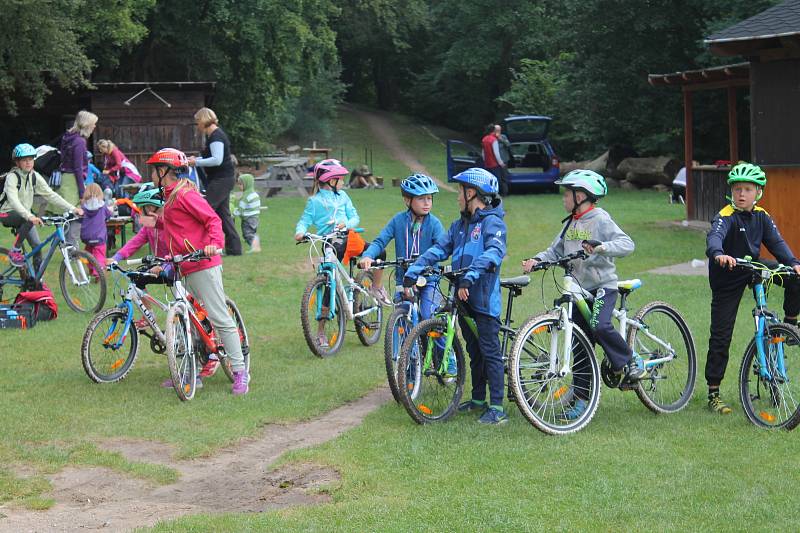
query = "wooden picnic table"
{"x": 285, "y": 173}
{"x": 119, "y": 223}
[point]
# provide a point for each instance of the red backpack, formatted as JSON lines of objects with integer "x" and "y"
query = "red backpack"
{"x": 42, "y": 302}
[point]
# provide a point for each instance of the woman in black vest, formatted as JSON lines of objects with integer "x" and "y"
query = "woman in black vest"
{"x": 220, "y": 175}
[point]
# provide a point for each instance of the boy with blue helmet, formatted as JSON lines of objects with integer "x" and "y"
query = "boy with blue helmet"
{"x": 413, "y": 230}
{"x": 476, "y": 241}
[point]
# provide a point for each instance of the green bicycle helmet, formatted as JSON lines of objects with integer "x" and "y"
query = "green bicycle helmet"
{"x": 149, "y": 196}
{"x": 749, "y": 173}
{"x": 587, "y": 181}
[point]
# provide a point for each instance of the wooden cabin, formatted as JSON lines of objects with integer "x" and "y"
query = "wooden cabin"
{"x": 139, "y": 117}
{"x": 770, "y": 42}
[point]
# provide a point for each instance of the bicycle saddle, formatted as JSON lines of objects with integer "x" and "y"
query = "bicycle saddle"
{"x": 519, "y": 281}
{"x": 628, "y": 286}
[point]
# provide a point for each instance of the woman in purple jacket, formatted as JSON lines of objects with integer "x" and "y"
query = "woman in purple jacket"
{"x": 74, "y": 163}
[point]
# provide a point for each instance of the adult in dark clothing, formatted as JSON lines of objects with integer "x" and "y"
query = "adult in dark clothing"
{"x": 220, "y": 174}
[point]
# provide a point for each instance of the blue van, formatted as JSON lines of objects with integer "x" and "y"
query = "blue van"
{"x": 532, "y": 161}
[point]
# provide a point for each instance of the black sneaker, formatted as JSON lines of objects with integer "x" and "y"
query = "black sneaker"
{"x": 634, "y": 372}
{"x": 493, "y": 417}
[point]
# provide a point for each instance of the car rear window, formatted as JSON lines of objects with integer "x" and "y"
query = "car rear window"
{"x": 526, "y": 127}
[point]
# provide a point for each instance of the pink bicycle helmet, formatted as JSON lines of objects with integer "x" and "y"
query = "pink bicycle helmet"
{"x": 328, "y": 169}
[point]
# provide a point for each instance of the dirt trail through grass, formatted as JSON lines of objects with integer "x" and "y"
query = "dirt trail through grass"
{"x": 382, "y": 129}
{"x": 233, "y": 480}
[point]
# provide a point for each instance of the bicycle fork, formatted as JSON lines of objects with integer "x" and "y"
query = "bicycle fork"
{"x": 84, "y": 279}
{"x": 762, "y": 339}
{"x": 566, "y": 354}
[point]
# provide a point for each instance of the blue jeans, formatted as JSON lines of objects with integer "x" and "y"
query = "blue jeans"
{"x": 485, "y": 357}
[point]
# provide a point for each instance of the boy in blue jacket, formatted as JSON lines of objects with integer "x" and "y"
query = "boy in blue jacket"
{"x": 414, "y": 231}
{"x": 476, "y": 241}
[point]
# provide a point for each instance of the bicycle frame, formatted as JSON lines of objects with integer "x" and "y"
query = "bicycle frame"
{"x": 763, "y": 318}
{"x": 581, "y": 299}
{"x": 55, "y": 240}
{"x": 339, "y": 281}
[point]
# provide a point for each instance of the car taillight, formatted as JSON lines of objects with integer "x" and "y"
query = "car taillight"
{"x": 555, "y": 162}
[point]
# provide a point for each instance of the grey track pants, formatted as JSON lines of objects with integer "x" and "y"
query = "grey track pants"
{"x": 206, "y": 285}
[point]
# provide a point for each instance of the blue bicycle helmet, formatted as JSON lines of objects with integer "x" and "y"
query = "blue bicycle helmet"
{"x": 23, "y": 150}
{"x": 418, "y": 185}
{"x": 479, "y": 178}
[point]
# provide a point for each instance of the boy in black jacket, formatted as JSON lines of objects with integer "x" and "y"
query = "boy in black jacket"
{"x": 738, "y": 230}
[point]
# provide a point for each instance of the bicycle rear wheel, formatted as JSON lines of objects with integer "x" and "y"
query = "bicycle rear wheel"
{"x": 334, "y": 328}
{"x": 427, "y": 392}
{"x": 9, "y": 291}
{"x": 670, "y": 385}
{"x": 104, "y": 361}
{"x": 180, "y": 352}
{"x": 772, "y": 402}
{"x": 397, "y": 329}
{"x": 233, "y": 311}
{"x": 547, "y": 400}
{"x": 84, "y": 290}
{"x": 368, "y": 327}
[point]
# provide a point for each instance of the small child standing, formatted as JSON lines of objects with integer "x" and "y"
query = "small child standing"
{"x": 94, "y": 231}
{"x": 249, "y": 209}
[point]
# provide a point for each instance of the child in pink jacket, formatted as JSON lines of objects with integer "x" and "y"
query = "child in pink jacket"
{"x": 190, "y": 224}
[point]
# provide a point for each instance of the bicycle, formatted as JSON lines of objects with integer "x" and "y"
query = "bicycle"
{"x": 80, "y": 276}
{"x": 111, "y": 341}
{"x": 427, "y": 389}
{"x": 333, "y": 297}
{"x": 400, "y": 323}
{"x": 769, "y": 394}
{"x": 546, "y": 382}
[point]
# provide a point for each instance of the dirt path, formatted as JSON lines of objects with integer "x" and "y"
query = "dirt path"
{"x": 232, "y": 480}
{"x": 382, "y": 129}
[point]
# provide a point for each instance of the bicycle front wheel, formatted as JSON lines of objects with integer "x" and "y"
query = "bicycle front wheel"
{"x": 554, "y": 404}
{"x": 180, "y": 352}
{"x": 770, "y": 393}
{"x": 397, "y": 329}
{"x": 324, "y": 336}
{"x": 368, "y": 326}
{"x": 85, "y": 288}
{"x": 670, "y": 384}
{"x": 233, "y": 311}
{"x": 107, "y": 352}
{"x": 430, "y": 382}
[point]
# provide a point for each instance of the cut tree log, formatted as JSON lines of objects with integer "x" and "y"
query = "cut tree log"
{"x": 648, "y": 171}
{"x": 598, "y": 165}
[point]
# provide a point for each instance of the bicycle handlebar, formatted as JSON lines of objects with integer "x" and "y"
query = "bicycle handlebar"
{"x": 401, "y": 263}
{"x": 59, "y": 219}
{"x": 748, "y": 264}
{"x": 341, "y": 233}
{"x": 562, "y": 262}
{"x": 151, "y": 260}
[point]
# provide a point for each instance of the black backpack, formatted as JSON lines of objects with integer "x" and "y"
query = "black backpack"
{"x": 48, "y": 162}
{"x": 19, "y": 185}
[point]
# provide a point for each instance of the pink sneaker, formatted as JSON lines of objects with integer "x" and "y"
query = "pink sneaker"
{"x": 210, "y": 368}
{"x": 240, "y": 382}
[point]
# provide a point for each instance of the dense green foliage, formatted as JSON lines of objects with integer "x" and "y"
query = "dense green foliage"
{"x": 283, "y": 66}
{"x": 584, "y": 62}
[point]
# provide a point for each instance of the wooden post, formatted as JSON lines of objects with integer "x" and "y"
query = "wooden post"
{"x": 687, "y": 150}
{"x": 733, "y": 126}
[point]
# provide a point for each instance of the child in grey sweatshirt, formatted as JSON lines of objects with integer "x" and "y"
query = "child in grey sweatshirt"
{"x": 591, "y": 229}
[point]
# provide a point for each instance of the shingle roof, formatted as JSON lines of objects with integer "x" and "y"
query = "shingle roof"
{"x": 777, "y": 21}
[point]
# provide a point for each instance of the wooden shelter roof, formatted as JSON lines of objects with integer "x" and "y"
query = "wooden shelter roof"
{"x": 734, "y": 75}
{"x": 775, "y": 28}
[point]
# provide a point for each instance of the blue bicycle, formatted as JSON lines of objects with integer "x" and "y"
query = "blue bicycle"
{"x": 769, "y": 378}
{"x": 334, "y": 296}
{"x": 81, "y": 278}
{"x": 402, "y": 320}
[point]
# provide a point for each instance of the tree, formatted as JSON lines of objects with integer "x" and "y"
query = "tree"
{"x": 266, "y": 55}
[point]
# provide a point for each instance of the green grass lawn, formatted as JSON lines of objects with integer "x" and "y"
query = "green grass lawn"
{"x": 628, "y": 469}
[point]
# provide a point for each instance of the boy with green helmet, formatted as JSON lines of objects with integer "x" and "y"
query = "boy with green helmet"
{"x": 591, "y": 229}
{"x": 739, "y": 230}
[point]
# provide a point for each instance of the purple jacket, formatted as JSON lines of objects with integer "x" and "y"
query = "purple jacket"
{"x": 93, "y": 225}
{"x": 73, "y": 158}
